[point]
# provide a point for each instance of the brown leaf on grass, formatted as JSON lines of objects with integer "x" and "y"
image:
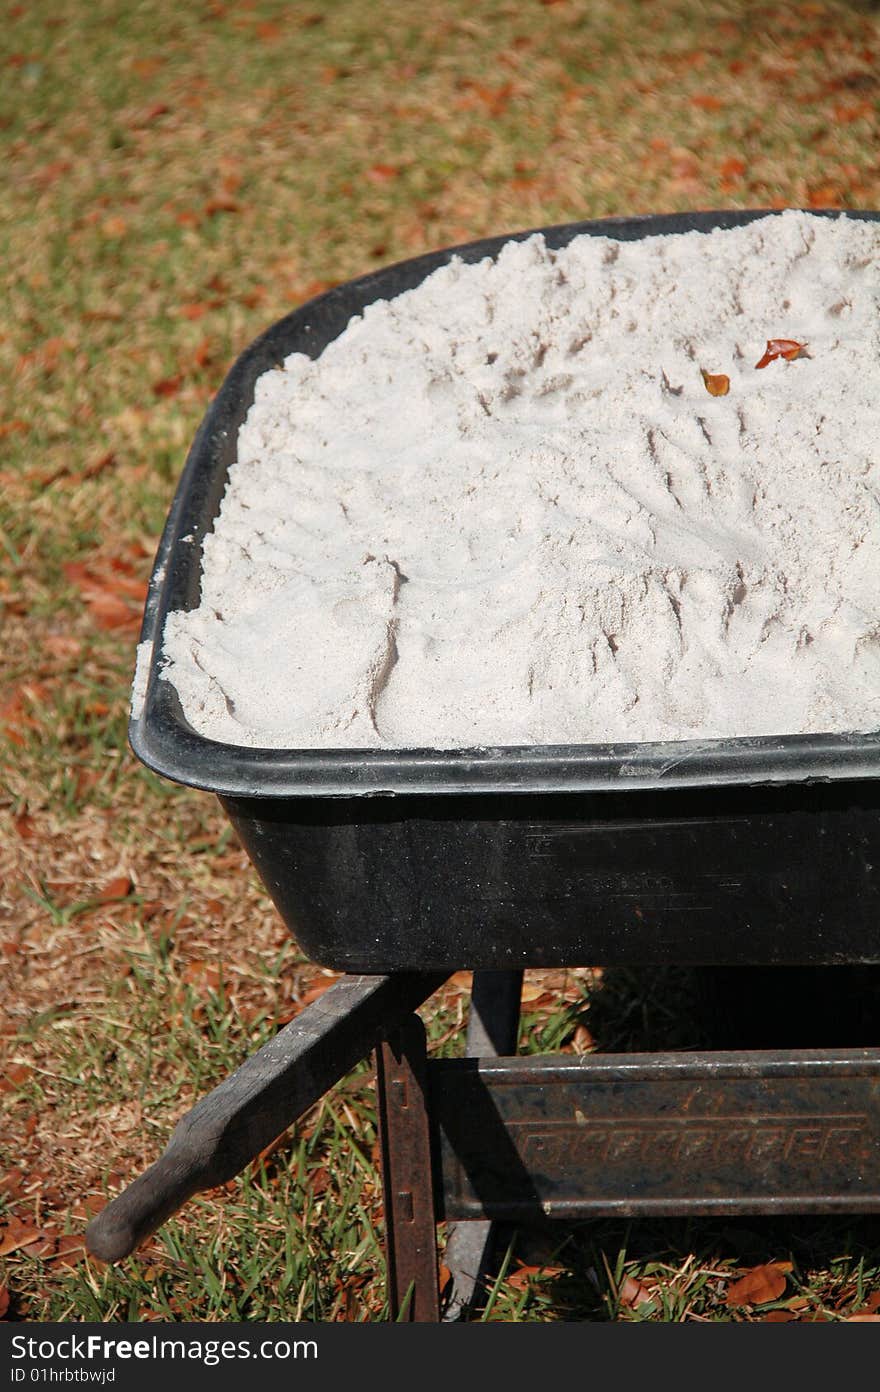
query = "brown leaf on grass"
{"x": 110, "y": 611}
{"x": 15, "y": 716}
{"x": 787, "y": 348}
{"x": 203, "y": 354}
{"x": 732, "y": 168}
{"x": 118, "y": 888}
{"x": 4, "y": 1301}
{"x": 168, "y": 386}
{"x": 268, "y": 1151}
{"x": 844, "y": 115}
{"x": 97, "y": 466}
{"x": 15, "y": 1234}
{"x": 146, "y": 67}
{"x": 89, "y": 472}
{"x": 524, "y": 1274}
{"x": 477, "y": 94}
{"x": 199, "y": 973}
{"x": 705, "y": 101}
{"x": 71, "y": 1250}
{"x": 825, "y": 196}
{"x": 382, "y": 173}
{"x": 756, "y": 1287}
{"x": 25, "y": 826}
{"x": 862, "y": 1317}
{"x": 315, "y": 990}
{"x": 17, "y": 1073}
{"x": 49, "y": 173}
{"x": 716, "y": 383}
{"x": 153, "y": 113}
{"x": 531, "y": 991}
{"x": 582, "y": 1040}
{"x": 46, "y": 356}
{"x": 13, "y": 427}
{"x": 43, "y": 1245}
{"x": 220, "y": 205}
{"x": 12, "y": 1183}
{"x": 87, "y": 1207}
{"x": 779, "y": 1317}
{"x": 632, "y": 1293}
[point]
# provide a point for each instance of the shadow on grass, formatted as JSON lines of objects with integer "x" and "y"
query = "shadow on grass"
{"x": 693, "y": 1261}
{"x": 656, "y": 1009}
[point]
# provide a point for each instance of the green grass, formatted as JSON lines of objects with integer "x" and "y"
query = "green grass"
{"x": 178, "y": 178}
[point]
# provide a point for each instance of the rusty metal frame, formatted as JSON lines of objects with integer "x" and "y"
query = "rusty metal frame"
{"x": 782, "y": 1131}
{"x": 407, "y": 1175}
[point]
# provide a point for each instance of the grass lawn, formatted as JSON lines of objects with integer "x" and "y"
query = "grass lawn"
{"x": 175, "y": 179}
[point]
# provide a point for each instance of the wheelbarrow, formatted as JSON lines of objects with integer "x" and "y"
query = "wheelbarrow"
{"x": 400, "y": 867}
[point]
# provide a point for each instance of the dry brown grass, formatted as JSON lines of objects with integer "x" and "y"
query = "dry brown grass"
{"x": 176, "y": 179}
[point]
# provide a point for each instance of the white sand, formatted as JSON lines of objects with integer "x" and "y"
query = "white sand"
{"x": 502, "y": 509}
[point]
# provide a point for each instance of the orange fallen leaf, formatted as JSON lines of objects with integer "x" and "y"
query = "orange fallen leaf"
{"x": 71, "y": 1251}
{"x": 109, "y": 611}
{"x": 146, "y": 67}
{"x": 12, "y": 1183}
{"x": 862, "y": 1318}
{"x": 762, "y": 1283}
{"x": 707, "y": 102}
{"x": 825, "y": 196}
{"x": 716, "y": 383}
{"x": 118, "y": 888}
{"x": 202, "y": 973}
{"x": 633, "y": 1293}
{"x": 732, "y": 167}
{"x": 17, "y": 1234}
{"x": 382, "y": 173}
{"x": 787, "y": 348}
{"x": 4, "y": 1301}
{"x": 531, "y": 991}
{"x": 316, "y": 990}
{"x": 43, "y": 1245}
{"x": 846, "y": 114}
{"x": 168, "y": 386}
{"x": 521, "y": 1278}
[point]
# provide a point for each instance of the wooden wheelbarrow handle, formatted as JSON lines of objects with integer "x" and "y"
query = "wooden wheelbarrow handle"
{"x": 231, "y": 1125}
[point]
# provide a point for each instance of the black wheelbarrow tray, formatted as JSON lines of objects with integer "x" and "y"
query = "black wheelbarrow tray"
{"x": 399, "y": 867}
{"x": 733, "y": 850}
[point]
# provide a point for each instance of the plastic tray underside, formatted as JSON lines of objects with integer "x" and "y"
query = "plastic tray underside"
{"x": 162, "y": 738}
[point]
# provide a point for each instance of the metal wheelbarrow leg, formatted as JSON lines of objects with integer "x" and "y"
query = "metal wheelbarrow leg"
{"x": 231, "y": 1125}
{"x": 493, "y": 1027}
